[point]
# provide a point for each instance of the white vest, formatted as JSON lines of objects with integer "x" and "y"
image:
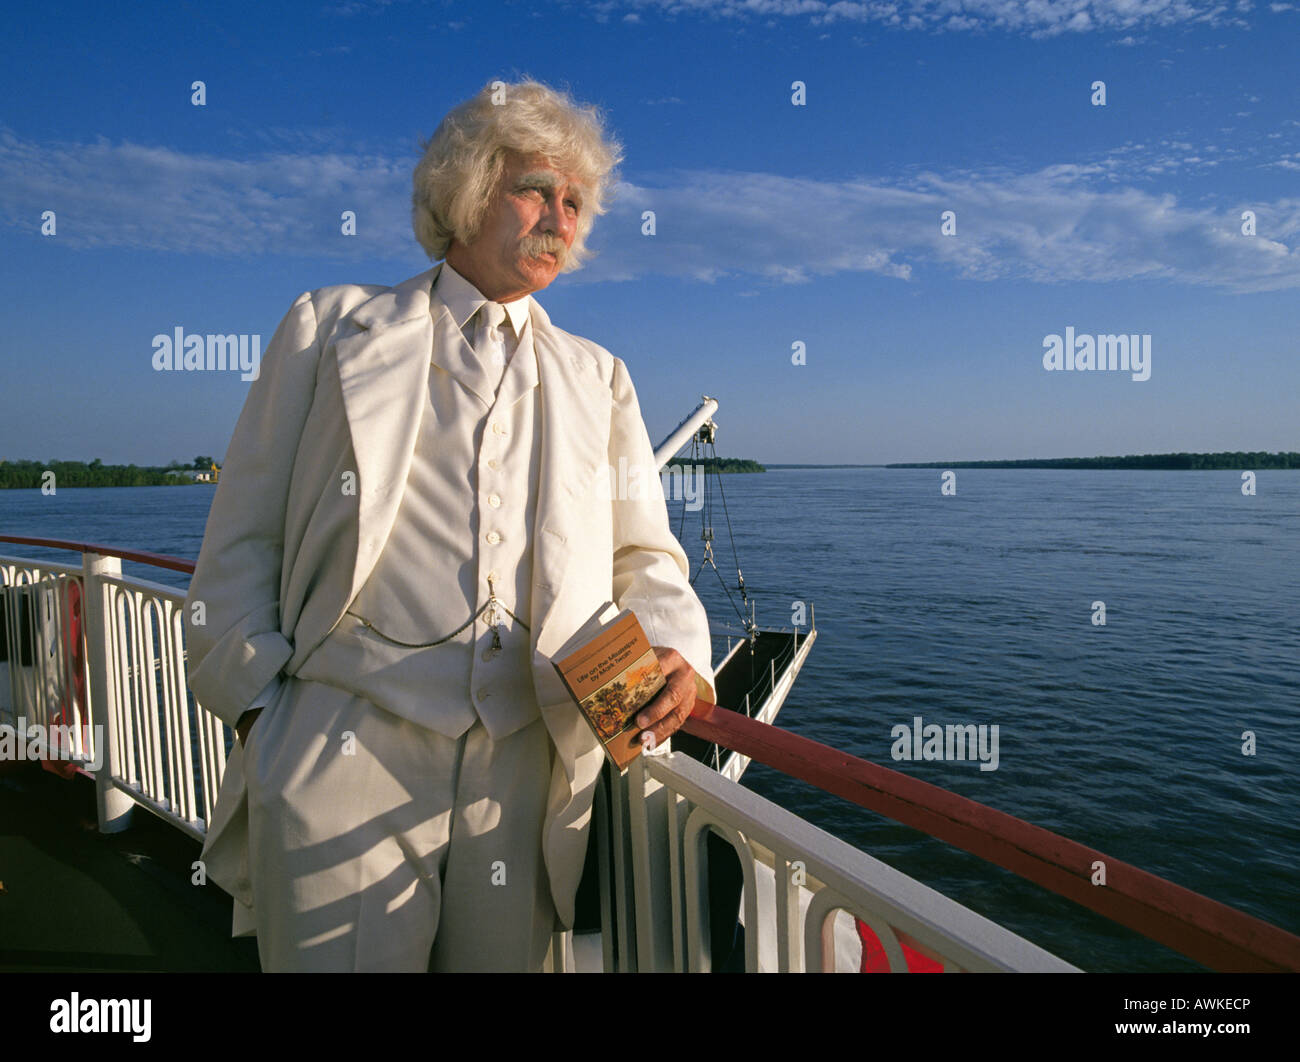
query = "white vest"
{"x": 468, "y": 511}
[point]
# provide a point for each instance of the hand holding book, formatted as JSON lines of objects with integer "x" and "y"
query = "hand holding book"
{"x": 672, "y": 705}
{"x": 632, "y": 695}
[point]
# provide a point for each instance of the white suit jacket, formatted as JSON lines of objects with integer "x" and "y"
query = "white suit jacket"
{"x": 286, "y": 549}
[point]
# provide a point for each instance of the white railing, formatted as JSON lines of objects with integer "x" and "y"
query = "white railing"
{"x": 139, "y": 731}
{"x": 802, "y": 886}
{"x": 170, "y": 753}
{"x": 38, "y": 674}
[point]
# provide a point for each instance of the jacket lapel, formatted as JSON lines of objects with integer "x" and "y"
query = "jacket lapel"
{"x": 383, "y": 361}
{"x": 575, "y": 434}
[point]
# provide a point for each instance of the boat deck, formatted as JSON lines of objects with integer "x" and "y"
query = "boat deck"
{"x": 76, "y": 899}
{"x": 72, "y": 898}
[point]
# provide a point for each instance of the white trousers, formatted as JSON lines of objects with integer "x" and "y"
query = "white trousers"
{"x": 378, "y": 845}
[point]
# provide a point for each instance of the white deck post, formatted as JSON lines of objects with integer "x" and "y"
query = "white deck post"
{"x": 113, "y": 806}
{"x": 648, "y": 801}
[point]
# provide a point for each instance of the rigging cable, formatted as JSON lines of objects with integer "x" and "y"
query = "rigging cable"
{"x": 706, "y": 435}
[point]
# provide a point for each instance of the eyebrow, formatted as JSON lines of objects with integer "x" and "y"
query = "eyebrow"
{"x": 546, "y": 179}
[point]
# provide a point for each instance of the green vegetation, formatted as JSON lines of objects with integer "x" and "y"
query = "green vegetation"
{"x": 716, "y": 464}
{"x": 1254, "y": 460}
{"x": 30, "y": 475}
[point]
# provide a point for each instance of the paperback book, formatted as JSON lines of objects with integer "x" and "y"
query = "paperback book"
{"x": 611, "y": 672}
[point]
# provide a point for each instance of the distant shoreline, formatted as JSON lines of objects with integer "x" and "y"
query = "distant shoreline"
{"x": 1226, "y": 460}
{"x": 26, "y": 474}
{"x": 1180, "y": 462}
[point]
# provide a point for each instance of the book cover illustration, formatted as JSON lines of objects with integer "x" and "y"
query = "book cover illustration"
{"x": 612, "y": 677}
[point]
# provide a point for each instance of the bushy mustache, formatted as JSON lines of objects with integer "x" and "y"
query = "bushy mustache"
{"x": 535, "y": 245}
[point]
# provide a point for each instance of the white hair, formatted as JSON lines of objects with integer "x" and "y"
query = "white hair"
{"x": 465, "y": 158}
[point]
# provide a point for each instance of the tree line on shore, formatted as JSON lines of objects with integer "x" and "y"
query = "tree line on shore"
{"x": 716, "y": 464}
{"x": 31, "y": 475}
{"x": 1253, "y": 460}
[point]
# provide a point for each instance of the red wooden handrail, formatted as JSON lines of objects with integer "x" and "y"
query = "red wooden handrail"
{"x": 1205, "y": 930}
{"x": 158, "y": 560}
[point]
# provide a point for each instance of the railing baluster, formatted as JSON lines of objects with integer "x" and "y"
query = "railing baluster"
{"x": 787, "y": 897}
{"x": 178, "y": 704}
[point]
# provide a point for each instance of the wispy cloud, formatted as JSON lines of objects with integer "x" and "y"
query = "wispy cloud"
{"x": 131, "y": 195}
{"x": 1059, "y": 224}
{"x": 1073, "y": 222}
{"x": 1039, "y": 18}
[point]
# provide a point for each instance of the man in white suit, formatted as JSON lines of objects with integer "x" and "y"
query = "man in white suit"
{"x": 413, "y": 515}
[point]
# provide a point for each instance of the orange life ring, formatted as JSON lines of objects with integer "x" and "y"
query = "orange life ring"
{"x": 73, "y": 688}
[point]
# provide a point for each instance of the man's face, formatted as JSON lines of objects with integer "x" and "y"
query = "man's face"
{"x": 526, "y": 234}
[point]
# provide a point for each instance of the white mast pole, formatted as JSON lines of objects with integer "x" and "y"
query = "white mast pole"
{"x": 681, "y": 435}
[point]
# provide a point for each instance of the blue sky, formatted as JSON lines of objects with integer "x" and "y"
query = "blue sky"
{"x": 776, "y": 223}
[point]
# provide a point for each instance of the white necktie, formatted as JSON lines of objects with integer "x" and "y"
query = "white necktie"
{"x": 489, "y": 338}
